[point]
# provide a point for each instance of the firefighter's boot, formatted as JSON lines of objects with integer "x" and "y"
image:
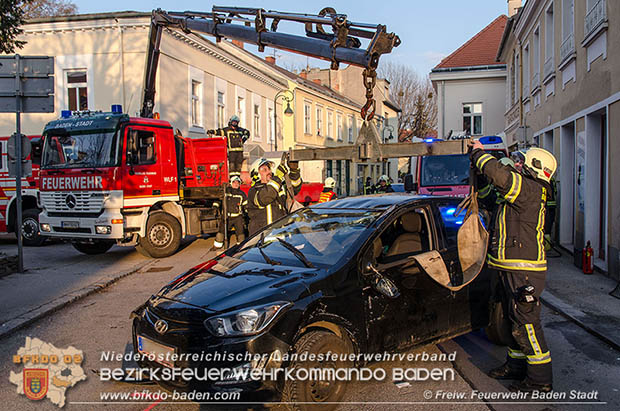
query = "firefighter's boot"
{"x": 219, "y": 241}
{"x": 508, "y": 371}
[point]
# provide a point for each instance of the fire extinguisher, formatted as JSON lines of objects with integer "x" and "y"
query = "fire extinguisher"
{"x": 586, "y": 261}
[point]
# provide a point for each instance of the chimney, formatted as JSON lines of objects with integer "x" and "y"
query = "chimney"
{"x": 303, "y": 74}
{"x": 270, "y": 59}
{"x": 336, "y": 87}
{"x": 317, "y": 81}
{"x": 513, "y": 7}
{"x": 238, "y": 43}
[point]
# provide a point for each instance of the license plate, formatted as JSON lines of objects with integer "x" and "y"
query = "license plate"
{"x": 162, "y": 353}
{"x": 70, "y": 224}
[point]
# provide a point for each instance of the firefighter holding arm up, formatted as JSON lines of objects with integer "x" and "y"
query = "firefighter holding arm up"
{"x": 236, "y": 136}
{"x": 267, "y": 197}
{"x": 517, "y": 252}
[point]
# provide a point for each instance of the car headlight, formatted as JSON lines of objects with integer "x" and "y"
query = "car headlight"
{"x": 247, "y": 321}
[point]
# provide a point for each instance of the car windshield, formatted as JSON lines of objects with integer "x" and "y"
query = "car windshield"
{"x": 82, "y": 149}
{"x": 324, "y": 236}
{"x": 446, "y": 170}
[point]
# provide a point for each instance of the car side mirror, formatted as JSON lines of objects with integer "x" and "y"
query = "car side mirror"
{"x": 382, "y": 284}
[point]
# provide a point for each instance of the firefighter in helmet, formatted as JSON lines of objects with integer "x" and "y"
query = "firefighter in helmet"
{"x": 236, "y": 136}
{"x": 267, "y": 197}
{"x": 368, "y": 187}
{"x": 236, "y": 208}
{"x": 328, "y": 193}
{"x": 518, "y": 253}
{"x": 384, "y": 186}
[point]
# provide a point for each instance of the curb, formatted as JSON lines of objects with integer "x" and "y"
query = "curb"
{"x": 576, "y": 316}
{"x": 42, "y": 311}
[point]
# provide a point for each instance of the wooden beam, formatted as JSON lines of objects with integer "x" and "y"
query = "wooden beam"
{"x": 363, "y": 152}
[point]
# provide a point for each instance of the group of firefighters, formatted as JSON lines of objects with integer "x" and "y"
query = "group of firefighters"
{"x": 516, "y": 191}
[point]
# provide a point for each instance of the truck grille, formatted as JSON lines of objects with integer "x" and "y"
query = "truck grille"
{"x": 82, "y": 201}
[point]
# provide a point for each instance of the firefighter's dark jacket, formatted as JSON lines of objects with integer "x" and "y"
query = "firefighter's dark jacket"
{"x": 236, "y": 202}
{"x": 267, "y": 201}
{"x": 518, "y": 235}
{"x": 235, "y": 136}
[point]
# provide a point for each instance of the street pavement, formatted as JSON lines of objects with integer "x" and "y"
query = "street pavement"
{"x": 100, "y": 322}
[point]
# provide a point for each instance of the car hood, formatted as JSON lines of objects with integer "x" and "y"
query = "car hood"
{"x": 232, "y": 283}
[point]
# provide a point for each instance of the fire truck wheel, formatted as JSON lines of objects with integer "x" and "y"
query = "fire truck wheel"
{"x": 97, "y": 247}
{"x": 499, "y": 330}
{"x": 31, "y": 234}
{"x": 163, "y": 235}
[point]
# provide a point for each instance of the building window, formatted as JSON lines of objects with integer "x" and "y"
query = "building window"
{"x": 319, "y": 120}
{"x": 221, "y": 117}
{"x": 196, "y": 103}
{"x": 526, "y": 72}
{"x": 307, "y": 109}
{"x": 241, "y": 109}
{"x": 350, "y": 129}
{"x": 271, "y": 128}
{"x": 77, "y": 90}
{"x": 568, "y": 27}
{"x": 257, "y": 120}
{"x": 472, "y": 119}
{"x": 536, "y": 59}
{"x": 339, "y": 125}
{"x": 549, "y": 43}
{"x": 328, "y": 168}
{"x": 330, "y": 124}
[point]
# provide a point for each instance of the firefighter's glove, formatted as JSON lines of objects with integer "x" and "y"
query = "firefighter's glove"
{"x": 281, "y": 171}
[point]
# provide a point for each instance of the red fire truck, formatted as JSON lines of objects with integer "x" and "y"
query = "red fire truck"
{"x": 30, "y": 186}
{"x": 110, "y": 178}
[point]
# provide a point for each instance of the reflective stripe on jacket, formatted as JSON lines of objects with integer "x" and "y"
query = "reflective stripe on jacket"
{"x": 518, "y": 236}
{"x": 235, "y": 137}
{"x": 327, "y": 195}
{"x": 267, "y": 201}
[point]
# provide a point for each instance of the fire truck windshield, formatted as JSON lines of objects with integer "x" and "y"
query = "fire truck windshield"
{"x": 81, "y": 149}
{"x": 446, "y": 170}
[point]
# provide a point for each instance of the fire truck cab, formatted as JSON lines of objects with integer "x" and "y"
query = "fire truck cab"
{"x": 110, "y": 178}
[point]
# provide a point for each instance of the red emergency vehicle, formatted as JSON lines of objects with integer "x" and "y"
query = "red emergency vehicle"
{"x": 109, "y": 178}
{"x": 30, "y": 185}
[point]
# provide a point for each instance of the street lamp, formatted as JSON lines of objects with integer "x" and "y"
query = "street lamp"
{"x": 288, "y": 111}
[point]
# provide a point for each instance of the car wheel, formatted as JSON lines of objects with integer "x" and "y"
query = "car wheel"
{"x": 163, "y": 235}
{"x": 97, "y": 247}
{"x": 305, "y": 394}
{"x": 31, "y": 233}
{"x": 499, "y": 330}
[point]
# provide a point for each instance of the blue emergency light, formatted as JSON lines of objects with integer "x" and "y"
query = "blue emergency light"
{"x": 431, "y": 140}
{"x": 65, "y": 113}
{"x": 117, "y": 109}
{"x": 491, "y": 140}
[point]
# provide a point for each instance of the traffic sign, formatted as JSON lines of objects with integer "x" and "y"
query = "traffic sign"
{"x": 12, "y": 147}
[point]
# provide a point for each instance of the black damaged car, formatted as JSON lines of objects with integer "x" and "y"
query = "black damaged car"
{"x": 336, "y": 277}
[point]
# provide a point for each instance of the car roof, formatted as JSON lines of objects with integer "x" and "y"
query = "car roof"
{"x": 381, "y": 201}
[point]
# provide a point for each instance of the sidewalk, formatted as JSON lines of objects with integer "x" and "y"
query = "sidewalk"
{"x": 583, "y": 298}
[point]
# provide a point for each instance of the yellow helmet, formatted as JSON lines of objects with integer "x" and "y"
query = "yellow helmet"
{"x": 541, "y": 163}
{"x": 330, "y": 182}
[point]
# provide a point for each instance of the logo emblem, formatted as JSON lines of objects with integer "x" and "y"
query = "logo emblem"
{"x": 146, "y": 180}
{"x": 70, "y": 201}
{"x": 35, "y": 383}
{"x": 161, "y": 326}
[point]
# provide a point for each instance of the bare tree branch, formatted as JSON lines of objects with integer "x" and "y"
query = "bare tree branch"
{"x": 415, "y": 96}
{"x": 48, "y": 8}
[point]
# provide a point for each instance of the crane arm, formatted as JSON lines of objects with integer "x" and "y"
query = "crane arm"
{"x": 250, "y": 25}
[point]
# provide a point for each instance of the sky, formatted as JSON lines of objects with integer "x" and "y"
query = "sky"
{"x": 429, "y": 29}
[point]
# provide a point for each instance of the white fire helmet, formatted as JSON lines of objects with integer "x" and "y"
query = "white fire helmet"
{"x": 330, "y": 182}
{"x": 541, "y": 163}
